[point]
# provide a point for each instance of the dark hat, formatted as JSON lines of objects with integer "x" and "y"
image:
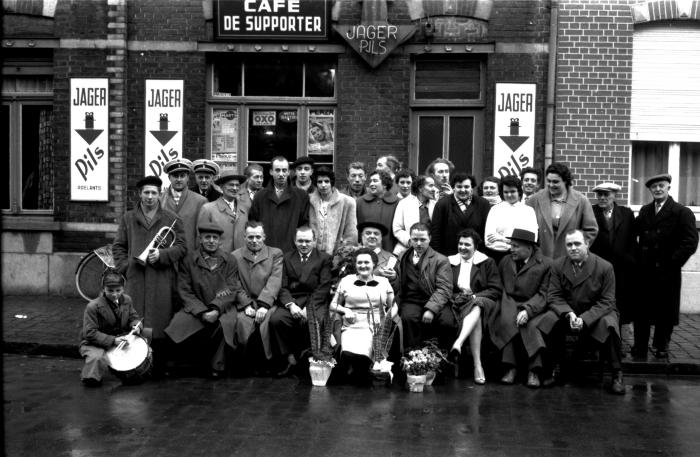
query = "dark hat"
{"x": 228, "y": 175}
{"x": 304, "y": 160}
{"x": 210, "y": 227}
{"x": 661, "y": 177}
{"x": 206, "y": 166}
{"x": 381, "y": 227}
{"x": 178, "y": 164}
{"x": 112, "y": 278}
{"x": 149, "y": 181}
{"x": 523, "y": 235}
{"x": 607, "y": 187}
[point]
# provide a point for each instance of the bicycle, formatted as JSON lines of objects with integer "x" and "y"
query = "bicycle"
{"x": 88, "y": 274}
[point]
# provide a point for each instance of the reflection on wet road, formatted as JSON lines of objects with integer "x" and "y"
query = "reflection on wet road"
{"x": 49, "y": 413}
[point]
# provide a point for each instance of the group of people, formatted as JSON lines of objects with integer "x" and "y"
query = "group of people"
{"x": 388, "y": 262}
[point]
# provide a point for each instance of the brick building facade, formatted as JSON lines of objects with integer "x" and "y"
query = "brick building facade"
{"x": 462, "y": 47}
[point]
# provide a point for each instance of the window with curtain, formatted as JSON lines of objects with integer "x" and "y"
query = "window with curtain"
{"x": 680, "y": 160}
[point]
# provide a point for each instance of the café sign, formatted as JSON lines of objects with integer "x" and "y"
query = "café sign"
{"x": 271, "y": 19}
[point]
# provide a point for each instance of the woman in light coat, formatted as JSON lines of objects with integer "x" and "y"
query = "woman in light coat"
{"x": 333, "y": 214}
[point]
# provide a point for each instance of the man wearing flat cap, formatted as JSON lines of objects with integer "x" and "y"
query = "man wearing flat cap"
{"x": 513, "y": 328}
{"x": 205, "y": 171}
{"x": 228, "y": 212}
{"x": 617, "y": 243}
{"x": 207, "y": 284}
{"x": 151, "y": 283}
{"x": 181, "y": 200}
{"x": 667, "y": 238}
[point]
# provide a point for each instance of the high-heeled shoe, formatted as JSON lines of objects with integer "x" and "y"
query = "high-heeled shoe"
{"x": 454, "y": 355}
{"x": 479, "y": 377}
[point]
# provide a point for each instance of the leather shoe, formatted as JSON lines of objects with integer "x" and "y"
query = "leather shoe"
{"x": 92, "y": 382}
{"x": 509, "y": 377}
{"x": 617, "y": 387}
{"x": 661, "y": 354}
{"x": 533, "y": 381}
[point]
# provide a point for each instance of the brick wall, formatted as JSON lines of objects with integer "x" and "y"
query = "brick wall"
{"x": 166, "y": 20}
{"x": 594, "y": 84}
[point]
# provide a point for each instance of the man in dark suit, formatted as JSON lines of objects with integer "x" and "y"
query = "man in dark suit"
{"x": 280, "y": 207}
{"x": 306, "y": 284}
{"x": 462, "y": 210}
{"x": 581, "y": 301}
{"x": 667, "y": 238}
{"x": 616, "y": 242}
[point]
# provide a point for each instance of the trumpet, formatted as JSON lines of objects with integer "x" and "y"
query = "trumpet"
{"x": 159, "y": 241}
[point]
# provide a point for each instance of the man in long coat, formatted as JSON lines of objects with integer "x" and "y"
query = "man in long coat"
{"x": 616, "y": 242}
{"x": 280, "y": 207}
{"x": 581, "y": 300}
{"x": 260, "y": 275}
{"x": 150, "y": 284}
{"x": 525, "y": 275}
{"x": 228, "y": 212}
{"x": 306, "y": 284}
{"x": 181, "y": 200}
{"x": 667, "y": 238}
{"x": 207, "y": 284}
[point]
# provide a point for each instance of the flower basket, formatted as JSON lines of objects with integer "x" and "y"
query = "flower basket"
{"x": 416, "y": 383}
{"x": 423, "y": 362}
{"x": 320, "y": 371}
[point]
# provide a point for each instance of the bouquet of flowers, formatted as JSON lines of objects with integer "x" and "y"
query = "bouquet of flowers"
{"x": 421, "y": 361}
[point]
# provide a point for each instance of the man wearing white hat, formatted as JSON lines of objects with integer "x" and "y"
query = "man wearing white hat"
{"x": 667, "y": 238}
{"x": 205, "y": 172}
{"x": 181, "y": 201}
{"x": 616, "y": 242}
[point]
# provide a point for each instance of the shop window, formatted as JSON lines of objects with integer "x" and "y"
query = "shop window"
{"x": 681, "y": 160}
{"x": 27, "y": 119}
{"x": 274, "y": 76}
{"x": 440, "y": 79}
{"x": 268, "y": 105}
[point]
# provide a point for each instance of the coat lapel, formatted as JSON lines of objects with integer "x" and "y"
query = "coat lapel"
{"x": 585, "y": 273}
{"x": 567, "y": 211}
{"x": 542, "y": 199}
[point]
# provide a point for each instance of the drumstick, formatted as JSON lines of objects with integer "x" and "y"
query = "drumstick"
{"x": 133, "y": 330}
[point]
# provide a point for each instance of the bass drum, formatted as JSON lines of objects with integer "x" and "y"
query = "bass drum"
{"x": 133, "y": 362}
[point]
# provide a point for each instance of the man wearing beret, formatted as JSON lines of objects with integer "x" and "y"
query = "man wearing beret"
{"x": 207, "y": 284}
{"x": 205, "y": 171}
{"x": 667, "y": 238}
{"x": 617, "y": 243}
{"x": 228, "y": 212}
{"x": 150, "y": 284}
{"x": 181, "y": 200}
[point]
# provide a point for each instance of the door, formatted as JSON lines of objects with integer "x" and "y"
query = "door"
{"x": 456, "y": 135}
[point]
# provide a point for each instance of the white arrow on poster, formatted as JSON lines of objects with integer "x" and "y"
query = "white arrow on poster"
{"x": 514, "y": 128}
{"x": 89, "y": 139}
{"x": 164, "y": 99}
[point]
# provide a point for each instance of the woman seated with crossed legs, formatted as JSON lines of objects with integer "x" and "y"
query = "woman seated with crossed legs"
{"x": 477, "y": 286}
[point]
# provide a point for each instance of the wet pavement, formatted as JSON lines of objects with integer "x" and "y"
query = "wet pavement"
{"x": 47, "y": 412}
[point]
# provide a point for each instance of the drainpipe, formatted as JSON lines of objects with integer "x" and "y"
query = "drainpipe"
{"x": 551, "y": 84}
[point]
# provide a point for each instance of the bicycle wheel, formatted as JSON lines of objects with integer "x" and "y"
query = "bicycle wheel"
{"x": 88, "y": 276}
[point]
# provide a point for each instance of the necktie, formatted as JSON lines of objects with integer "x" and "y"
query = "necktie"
{"x": 423, "y": 214}
{"x": 371, "y": 283}
{"x": 519, "y": 264}
{"x": 304, "y": 258}
{"x": 658, "y": 208}
{"x": 416, "y": 258}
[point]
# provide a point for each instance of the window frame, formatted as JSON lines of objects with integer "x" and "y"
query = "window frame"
{"x": 245, "y": 103}
{"x": 673, "y": 153}
{"x": 16, "y": 102}
{"x": 479, "y": 102}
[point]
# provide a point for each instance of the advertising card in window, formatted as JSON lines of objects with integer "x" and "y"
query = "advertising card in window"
{"x": 321, "y": 132}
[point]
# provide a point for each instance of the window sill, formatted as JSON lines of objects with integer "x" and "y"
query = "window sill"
{"x": 30, "y": 223}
